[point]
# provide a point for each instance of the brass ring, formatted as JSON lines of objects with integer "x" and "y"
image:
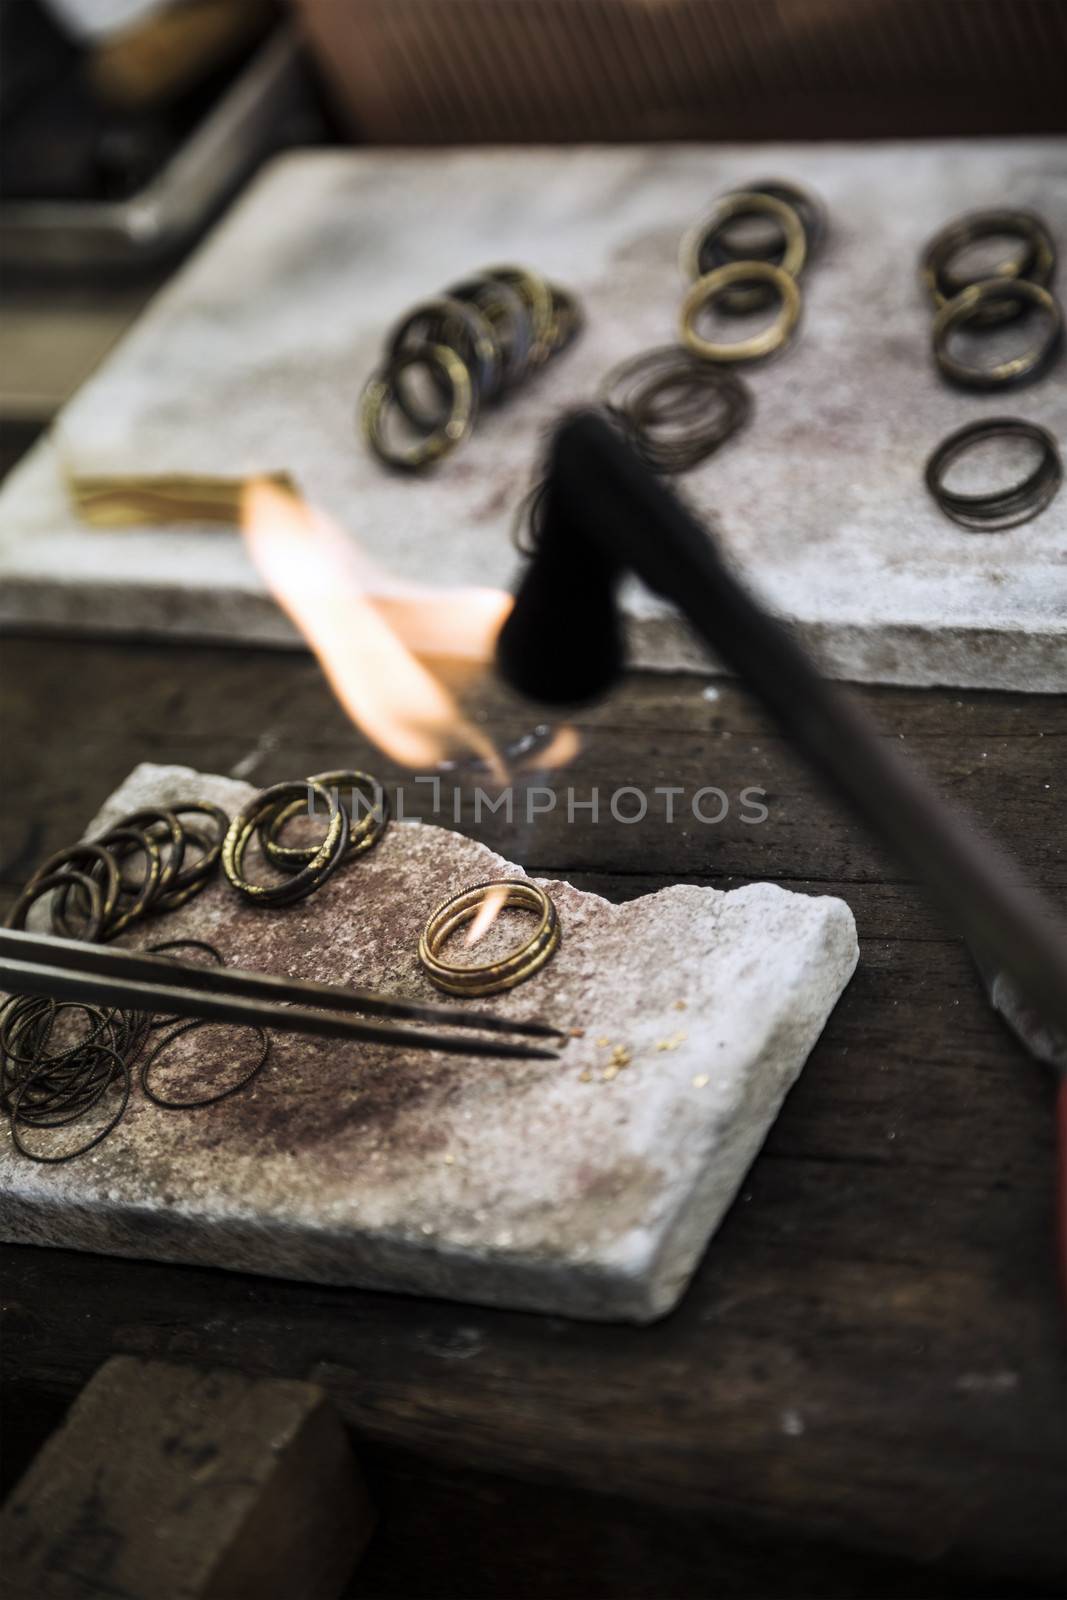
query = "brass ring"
{"x": 507, "y": 314}
{"x": 707, "y": 289}
{"x": 744, "y": 203}
{"x": 326, "y": 857}
{"x": 969, "y": 305}
{"x": 535, "y": 293}
{"x": 492, "y": 976}
{"x": 450, "y": 432}
{"x": 363, "y": 833}
{"x": 1036, "y": 262}
{"x": 460, "y": 326}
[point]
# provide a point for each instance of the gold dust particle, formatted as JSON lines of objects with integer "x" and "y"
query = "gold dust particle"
{"x": 603, "y": 1040}
{"x": 673, "y": 1041}
{"x": 449, "y": 1160}
{"x": 609, "y": 1073}
{"x": 620, "y": 1056}
{"x": 679, "y": 1005}
{"x": 585, "y": 1077}
{"x": 700, "y": 1081}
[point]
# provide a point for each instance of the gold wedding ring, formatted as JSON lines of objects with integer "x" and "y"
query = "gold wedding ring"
{"x": 707, "y": 289}
{"x": 490, "y": 977}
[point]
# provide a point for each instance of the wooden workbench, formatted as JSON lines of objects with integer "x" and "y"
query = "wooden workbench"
{"x": 860, "y": 1395}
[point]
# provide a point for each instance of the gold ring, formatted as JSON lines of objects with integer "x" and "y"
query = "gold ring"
{"x": 454, "y": 428}
{"x": 746, "y": 203}
{"x": 713, "y": 284}
{"x": 970, "y": 305}
{"x": 492, "y": 976}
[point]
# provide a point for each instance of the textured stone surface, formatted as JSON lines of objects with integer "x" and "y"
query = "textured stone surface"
{"x": 252, "y": 359}
{"x": 529, "y": 1184}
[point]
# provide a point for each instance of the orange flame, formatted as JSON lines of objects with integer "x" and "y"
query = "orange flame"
{"x": 488, "y": 911}
{"x": 366, "y": 643}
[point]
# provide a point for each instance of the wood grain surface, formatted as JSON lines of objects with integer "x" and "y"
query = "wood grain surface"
{"x": 862, "y": 1391}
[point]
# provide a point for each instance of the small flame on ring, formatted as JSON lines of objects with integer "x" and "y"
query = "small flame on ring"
{"x": 488, "y": 911}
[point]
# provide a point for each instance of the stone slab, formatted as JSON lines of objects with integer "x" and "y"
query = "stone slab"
{"x": 537, "y": 1185}
{"x": 251, "y": 360}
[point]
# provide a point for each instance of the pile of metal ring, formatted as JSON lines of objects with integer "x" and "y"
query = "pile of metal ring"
{"x": 94, "y": 897}
{"x": 676, "y": 409}
{"x": 1016, "y": 287}
{"x": 998, "y": 509}
{"x": 60, "y": 1059}
{"x": 303, "y": 868}
{"x": 737, "y": 283}
{"x": 679, "y": 404}
{"x": 473, "y": 345}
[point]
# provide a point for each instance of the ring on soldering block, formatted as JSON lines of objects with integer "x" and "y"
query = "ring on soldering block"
{"x": 490, "y": 977}
{"x": 706, "y": 290}
{"x": 702, "y": 250}
{"x": 364, "y": 830}
{"x": 970, "y": 305}
{"x": 328, "y": 854}
{"x": 1036, "y": 260}
{"x": 457, "y": 417}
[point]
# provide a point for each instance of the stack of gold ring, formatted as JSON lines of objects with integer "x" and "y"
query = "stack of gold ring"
{"x": 767, "y": 273}
{"x": 493, "y": 976}
{"x": 472, "y": 345}
{"x": 306, "y": 867}
{"x": 1017, "y": 285}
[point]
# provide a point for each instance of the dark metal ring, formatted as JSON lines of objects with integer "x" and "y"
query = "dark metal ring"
{"x": 96, "y": 859}
{"x": 180, "y": 944}
{"x": 508, "y": 316}
{"x": 1036, "y": 262}
{"x": 16, "y": 917}
{"x": 138, "y": 841}
{"x": 195, "y": 875}
{"x": 209, "y": 1099}
{"x": 380, "y": 392}
{"x": 535, "y": 292}
{"x": 464, "y": 328}
{"x": 662, "y": 398}
{"x": 1002, "y": 508}
{"x": 152, "y": 818}
{"x": 968, "y": 306}
{"x": 245, "y": 824}
{"x": 363, "y": 833}
{"x": 119, "y": 1069}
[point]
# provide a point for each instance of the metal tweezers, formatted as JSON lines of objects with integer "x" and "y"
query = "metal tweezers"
{"x": 65, "y": 969}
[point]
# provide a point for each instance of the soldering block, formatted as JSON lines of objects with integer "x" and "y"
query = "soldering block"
{"x": 587, "y": 1186}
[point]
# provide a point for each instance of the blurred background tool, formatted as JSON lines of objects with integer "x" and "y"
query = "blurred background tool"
{"x": 471, "y": 71}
